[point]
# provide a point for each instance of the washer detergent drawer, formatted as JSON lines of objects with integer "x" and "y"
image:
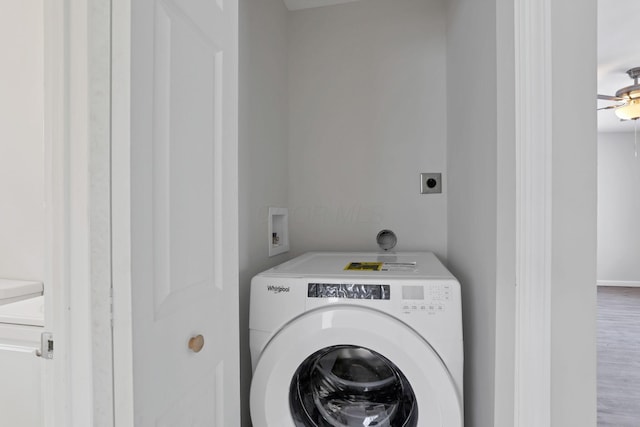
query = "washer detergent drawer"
{"x": 320, "y": 368}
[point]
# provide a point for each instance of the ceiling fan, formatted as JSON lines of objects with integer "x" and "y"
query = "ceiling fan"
{"x": 629, "y": 108}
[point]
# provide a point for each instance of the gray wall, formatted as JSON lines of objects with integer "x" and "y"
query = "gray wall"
{"x": 263, "y": 150}
{"x": 473, "y": 164}
{"x": 506, "y": 217}
{"x": 340, "y": 109}
{"x": 573, "y": 246}
{"x": 618, "y": 208}
{"x": 367, "y": 91}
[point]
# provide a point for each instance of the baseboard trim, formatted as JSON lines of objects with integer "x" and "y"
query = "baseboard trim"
{"x": 619, "y": 283}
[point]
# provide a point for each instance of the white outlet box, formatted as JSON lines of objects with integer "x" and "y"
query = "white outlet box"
{"x": 278, "y": 231}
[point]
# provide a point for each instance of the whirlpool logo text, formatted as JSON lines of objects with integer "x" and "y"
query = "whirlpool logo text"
{"x": 278, "y": 289}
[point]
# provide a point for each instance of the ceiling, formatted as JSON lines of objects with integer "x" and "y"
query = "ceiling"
{"x": 307, "y": 4}
{"x": 618, "y": 51}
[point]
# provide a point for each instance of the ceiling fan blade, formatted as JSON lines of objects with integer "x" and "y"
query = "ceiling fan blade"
{"x": 609, "y": 107}
{"x": 609, "y": 98}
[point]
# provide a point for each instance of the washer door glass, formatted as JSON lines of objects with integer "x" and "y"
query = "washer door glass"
{"x": 351, "y": 386}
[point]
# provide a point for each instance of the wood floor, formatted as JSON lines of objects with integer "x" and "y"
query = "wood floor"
{"x": 618, "y": 357}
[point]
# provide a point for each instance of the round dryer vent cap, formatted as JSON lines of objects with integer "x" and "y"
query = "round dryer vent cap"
{"x": 386, "y": 240}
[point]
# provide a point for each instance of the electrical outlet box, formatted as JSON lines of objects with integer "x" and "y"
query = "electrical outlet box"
{"x": 430, "y": 183}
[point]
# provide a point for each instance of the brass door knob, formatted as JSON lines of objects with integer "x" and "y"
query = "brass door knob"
{"x": 196, "y": 343}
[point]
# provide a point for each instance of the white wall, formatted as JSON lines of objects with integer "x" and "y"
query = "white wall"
{"x": 263, "y": 149}
{"x": 473, "y": 164}
{"x": 21, "y": 140}
{"x": 367, "y": 91}
{"x": 22, "y": 193}
{"x": 504, "y": 361}
{"x": 573, "y": 246}
{"x": 340, "y": 109}
{"x": 618, "y": 208}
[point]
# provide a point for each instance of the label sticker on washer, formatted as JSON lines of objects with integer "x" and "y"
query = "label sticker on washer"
{"x": 381, "y": 266}
{"x": 364, "y": 266}
{"x": 399, "y": 266}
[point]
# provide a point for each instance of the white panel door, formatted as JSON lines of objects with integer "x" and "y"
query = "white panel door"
{"x": 183, "y": 201}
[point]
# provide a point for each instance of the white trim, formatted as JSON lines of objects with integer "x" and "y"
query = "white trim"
{"x": 77, "y": 205}
{"x": 533, "y": 213}
{"x": 121, "y": 207}
{"x": 99, "y": 205}
{"x": 74, "y": 130}
{"x": 56, "y": 383}
{"x": 619, "y": 283}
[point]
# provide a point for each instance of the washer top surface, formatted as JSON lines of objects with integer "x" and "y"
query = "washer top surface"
{"x": 406, "y": 265}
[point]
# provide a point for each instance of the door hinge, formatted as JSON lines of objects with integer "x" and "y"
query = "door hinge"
{"x": 46, "y": 346}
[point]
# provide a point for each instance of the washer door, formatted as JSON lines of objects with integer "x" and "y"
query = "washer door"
{"x": 352, "y": 366}
{"x": 345, "y": 385}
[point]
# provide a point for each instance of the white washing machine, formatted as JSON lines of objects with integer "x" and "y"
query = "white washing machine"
{"x": 356, "y": 339}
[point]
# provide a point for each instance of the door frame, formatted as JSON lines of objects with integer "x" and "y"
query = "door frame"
{"x": 532, "y": 376}
{"x": 56, "y": 372}
{"x": 70, "y": 392}
{"x": 554, "y": 303}
{"x": 78, "y": 382}
{"x": 121, "y": 178}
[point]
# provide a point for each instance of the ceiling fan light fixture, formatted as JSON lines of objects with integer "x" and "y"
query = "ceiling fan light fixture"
{"x": 629, "y": 92}
{"x": 633, "y": 91}
{"x": 630, "y": 111}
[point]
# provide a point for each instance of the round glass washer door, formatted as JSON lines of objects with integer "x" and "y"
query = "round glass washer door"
{"x": 380, "y": 352}
{"x": 344, "y": 386}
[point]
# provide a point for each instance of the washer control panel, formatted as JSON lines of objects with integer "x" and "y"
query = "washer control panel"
{"x": 431, "y": 299}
